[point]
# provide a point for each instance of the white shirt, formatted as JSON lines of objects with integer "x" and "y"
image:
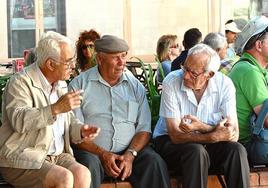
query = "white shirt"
{"x": 217, "y": 102}
{"x": 57, "y": 143}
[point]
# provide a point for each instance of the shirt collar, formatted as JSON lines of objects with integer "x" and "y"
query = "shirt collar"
{"x": 254, "y": 62}
{"x": 45, "y": 84}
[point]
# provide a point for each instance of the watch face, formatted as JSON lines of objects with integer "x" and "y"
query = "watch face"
{"x": 133, "y": 152}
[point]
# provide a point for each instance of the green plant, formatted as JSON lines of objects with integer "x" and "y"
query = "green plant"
{"x": 162, "y": 74}
{"x": 153, "y": 94}
{"x": 3, "y": 82}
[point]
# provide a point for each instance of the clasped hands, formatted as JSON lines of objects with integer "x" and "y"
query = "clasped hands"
{"x": 117, "y": 165}
{"x": 223, "y": 131}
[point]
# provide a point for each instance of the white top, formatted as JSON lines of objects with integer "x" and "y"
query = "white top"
{"x": 57, "y": 144}
{"x": 217, "y": 102}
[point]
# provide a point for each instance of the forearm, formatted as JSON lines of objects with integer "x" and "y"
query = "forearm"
{"x": 205, "y": 128}
{"x": 178, "y": 137}
{"x": 139, "y": 141}
{"x": 92, "y": 148}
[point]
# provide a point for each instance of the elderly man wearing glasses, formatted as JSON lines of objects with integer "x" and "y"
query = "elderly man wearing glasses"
{"x": 198, "y": 129}
{"x": 250, "y": 78}
{"x": 38, "y": 122}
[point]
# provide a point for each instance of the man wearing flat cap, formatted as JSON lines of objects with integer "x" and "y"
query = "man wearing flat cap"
{"x": 250, "y": 76}
{"x": 115, "y": 101}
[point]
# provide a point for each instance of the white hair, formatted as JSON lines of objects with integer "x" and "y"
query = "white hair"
{"x": 49, "y": 46}
{"x": 213, "y": 63}
{"x": 215, "y": 40}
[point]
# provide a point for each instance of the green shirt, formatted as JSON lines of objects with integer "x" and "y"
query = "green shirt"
{"x": 250, "y": 81}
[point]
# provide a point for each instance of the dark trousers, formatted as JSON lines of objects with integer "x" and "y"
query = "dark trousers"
{"x": 149, "y": 169}
{"x": 192, "y": 161}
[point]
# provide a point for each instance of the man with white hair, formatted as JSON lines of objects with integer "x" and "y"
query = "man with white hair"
{"x": 250, "y": 78}
{"x": 218, "y": 43}
{"x": 200, "y": 130}
{"x": 38, "y": 122}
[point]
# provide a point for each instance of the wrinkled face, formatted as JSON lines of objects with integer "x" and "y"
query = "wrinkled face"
{"x": 65, "y": 64}
{"x": 88, "y": 48}
{"x": 111, "y": 66}
{"x": 231, "y": 37}
{"x": 195, "y": 76}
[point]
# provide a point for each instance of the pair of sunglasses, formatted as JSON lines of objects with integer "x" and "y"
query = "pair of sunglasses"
{"x": 175, "y": 46}
{"x": 88, "y": 46}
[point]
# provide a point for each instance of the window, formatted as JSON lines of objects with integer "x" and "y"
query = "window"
{"x": 26, "y": 23}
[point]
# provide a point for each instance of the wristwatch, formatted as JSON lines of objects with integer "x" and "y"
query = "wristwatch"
{"x": 133, "y": 152}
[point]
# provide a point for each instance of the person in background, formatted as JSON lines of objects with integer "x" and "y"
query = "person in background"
{"x": 29, "y": 58}
{"x": 231, "y": 32}
{"x": 38, "y": 123}
{"x": 120, "y": 108}
{"x": 249, "y": 75}
{"x": 167, "y": 50}
{"x": 200, "y": 129}
{"x": 218, "y": 43}
{"x": 191, "y": 37}
{"x": 85, "y": 49}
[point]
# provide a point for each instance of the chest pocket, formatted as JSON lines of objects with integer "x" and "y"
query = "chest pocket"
{"x": 132, "y": 111}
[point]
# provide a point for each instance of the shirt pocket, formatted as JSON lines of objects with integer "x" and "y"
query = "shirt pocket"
{"x": 133, "y": 108}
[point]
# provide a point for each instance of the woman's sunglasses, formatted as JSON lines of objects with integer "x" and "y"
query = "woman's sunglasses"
{"x": 88, "y": 46}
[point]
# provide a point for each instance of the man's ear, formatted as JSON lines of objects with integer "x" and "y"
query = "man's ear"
{"x": 99, "y": 59}
{"x": 50, "y": 64}
{"x": 258, "y": 44}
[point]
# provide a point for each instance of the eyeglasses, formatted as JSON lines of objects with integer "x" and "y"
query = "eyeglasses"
{"x": 67, "y": 63}
{"x": 175, "y": 46}
{"x": 193, "y": 74}
{"x": 91, "y": 46}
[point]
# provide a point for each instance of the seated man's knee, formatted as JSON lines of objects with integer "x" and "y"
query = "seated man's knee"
{"x": 196, "y": 149}
{"x": 238, "y": 148}
{"x": 67, "y": 178}
{"x": 82, "y": 175}
{"x": 59, "y": 177}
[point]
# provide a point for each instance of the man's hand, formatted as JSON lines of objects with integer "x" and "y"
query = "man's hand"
{"x": 67, "y": 102}
{"x": 126, "y": 165}
{"x": 109, "y": 162}
{"x": 89, "y": 133}
{"x": 224, "y": 132}
{"x": 190, "y": 123}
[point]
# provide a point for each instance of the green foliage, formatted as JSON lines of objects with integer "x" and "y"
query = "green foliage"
{"x": 151, "y": 85}
{"x": 162, "y": 74}
{"x": 3, "y": 82}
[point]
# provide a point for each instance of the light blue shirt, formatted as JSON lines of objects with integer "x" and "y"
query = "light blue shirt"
{"x": 230, "y": 52}
{"x": 120, "y": 111}
{"x": 217, "y": 102}
{"x": 166, "y": 66}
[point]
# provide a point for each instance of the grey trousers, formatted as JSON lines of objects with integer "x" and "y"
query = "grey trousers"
{"x": 193, "y": 161}
{"x": 149, "y": 169}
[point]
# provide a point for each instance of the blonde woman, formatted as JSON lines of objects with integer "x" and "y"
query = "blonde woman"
{"x": 167, "y": 50}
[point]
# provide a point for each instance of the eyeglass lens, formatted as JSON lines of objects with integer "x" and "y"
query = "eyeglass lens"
{"x": 88, "y": 46}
